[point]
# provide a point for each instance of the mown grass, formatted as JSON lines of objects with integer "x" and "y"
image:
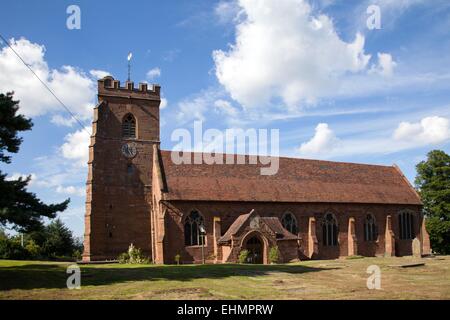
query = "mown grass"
{"x": 330, "y": 279}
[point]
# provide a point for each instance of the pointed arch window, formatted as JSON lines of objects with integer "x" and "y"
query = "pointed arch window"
{"x": 192, "y": 235}
{"x": 370, "y": 228}
{"x": 330, "y": 230}
{"x": 406, "y": 224}
{"x": 129, "y": 126}
{"x": 289, "y": 222}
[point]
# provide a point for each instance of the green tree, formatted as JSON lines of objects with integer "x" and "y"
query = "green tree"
{"x": 11, "y": 248}
{"x": 274, "y": 254}
{"x": 59, "y": 241}
{"x": 3, "y": 234}
{"x": 34, "y": 250}
{"x": 20, "y": 209}
{"x": 78, "y": 248}
{"x": 243, "y": 256}
{"x": 53, "y": 241}
{"x": 433, "y": 185}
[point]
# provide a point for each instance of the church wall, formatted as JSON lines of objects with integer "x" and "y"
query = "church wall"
{"x": 288, "y": 251}
{"x": 229, "y": 211}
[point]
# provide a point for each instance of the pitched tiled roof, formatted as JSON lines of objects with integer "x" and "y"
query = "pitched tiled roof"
{"x": 272, "y": 222}
{"x": 297, "y": 180}
{"x": 275, "y": 225}
{"x": 234, "y": 228}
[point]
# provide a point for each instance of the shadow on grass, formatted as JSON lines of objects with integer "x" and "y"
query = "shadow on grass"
{"x": 47, "y": 276}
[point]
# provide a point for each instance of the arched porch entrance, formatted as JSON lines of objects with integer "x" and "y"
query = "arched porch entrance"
{"x": 257, "y": 245}
{"x": 255, "y": 249}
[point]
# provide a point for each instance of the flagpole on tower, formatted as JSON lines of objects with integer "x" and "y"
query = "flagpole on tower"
{"x": 130, "y": 55}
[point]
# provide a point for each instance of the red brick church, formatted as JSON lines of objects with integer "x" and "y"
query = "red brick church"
{"x": 310, "y": 209}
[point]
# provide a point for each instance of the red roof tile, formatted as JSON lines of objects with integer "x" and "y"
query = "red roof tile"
{"x": 234, "y": 228}
{"x": 297, "y": 180}
{"x": 275, "y": 225}
{"x": 272, "y": 222}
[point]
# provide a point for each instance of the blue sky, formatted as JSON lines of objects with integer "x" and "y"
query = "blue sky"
{"x": 312, "y": 69}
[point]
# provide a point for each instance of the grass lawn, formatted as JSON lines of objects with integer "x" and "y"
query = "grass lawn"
{"x": 324, "y": 279}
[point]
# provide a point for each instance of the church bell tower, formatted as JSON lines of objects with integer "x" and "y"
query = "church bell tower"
{"x": 118, "y": 203}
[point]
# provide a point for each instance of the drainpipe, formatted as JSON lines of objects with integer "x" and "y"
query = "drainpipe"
{"x": 202, "y": 234}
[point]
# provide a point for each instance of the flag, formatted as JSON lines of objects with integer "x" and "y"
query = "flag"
{"x": 130, "y": 55}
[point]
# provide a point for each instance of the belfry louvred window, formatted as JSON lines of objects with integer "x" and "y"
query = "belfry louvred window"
{"x": 129, "y": 126}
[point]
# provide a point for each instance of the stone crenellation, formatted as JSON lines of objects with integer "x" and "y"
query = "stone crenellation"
{"x": 109, "y": 86}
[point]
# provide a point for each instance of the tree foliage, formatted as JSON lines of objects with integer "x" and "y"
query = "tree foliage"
{"x": 59, "y": 240}
{"x": 243, "y": 256}
{"x": 433, "y": 185}
{"x": 53, "y": 241}
{"x": 274, "y": 254}
{"x": 11, "y": 248}
{"x": 134, "y": 255}
{"x": 10, "y": 124}
{"x": 19, "y": 208}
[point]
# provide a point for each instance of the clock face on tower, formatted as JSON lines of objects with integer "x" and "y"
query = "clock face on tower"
{"x": 129, "y": 150}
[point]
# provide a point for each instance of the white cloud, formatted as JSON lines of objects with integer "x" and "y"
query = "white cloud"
{"x": 76, "y": 147}
{"x": 63, "y": 176}
{"x": 227, "y": 11}
{"x": 324, "y": 141}
{"x": 385, "y": 66}
{"x": 16, "y": 176}
{"x": 225, "y": 107}
{"x": 324, "y": 3}
{"x": 377, "y": 140}
{"x": 195, "y": 107}
{"x": 74, "y": 218}
{"x": 163, "y": 103}
{"x": 99, "y": 74}
{"x": 153, "y": 73}
{"x": 283, "y": 51}
{"x": 75, "y": 213}
{"x": 430, "y": 130}
{"x": 60, "y": 120}
{"x": 75, "y": 88}
{"x": 192, "y": 109}
{"x": 71, "y": 190}
{"x": 398, "y": 6}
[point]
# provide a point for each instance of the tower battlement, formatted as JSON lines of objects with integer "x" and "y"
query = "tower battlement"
{"x": 108, "y": 86}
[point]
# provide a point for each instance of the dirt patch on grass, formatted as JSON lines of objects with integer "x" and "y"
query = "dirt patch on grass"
{"x": 176, "y": 293}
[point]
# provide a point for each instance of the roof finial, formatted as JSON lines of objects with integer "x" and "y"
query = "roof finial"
{"x": 130, "y": 55}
